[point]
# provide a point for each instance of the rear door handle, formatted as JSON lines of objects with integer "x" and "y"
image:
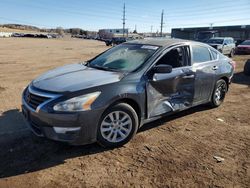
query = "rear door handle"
{"x": 215, "y": 67}
{"x": 188, "y": 76}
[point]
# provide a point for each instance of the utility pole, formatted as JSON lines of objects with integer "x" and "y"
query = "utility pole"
{"x": 162, "y": 13}
{"x": 123, "y": 20}
{"x": 151, "y": 29}
{"x": 211, "y": 25}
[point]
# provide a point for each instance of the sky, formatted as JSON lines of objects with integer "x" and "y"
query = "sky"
{"x": 142, "y": 14}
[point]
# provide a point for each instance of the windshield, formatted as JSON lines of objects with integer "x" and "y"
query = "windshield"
{"x": 247, "y": 42}
{"x": 215, "y": 41}
{"x": 125, "y": 57}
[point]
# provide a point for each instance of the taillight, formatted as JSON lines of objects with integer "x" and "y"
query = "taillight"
{"x": 233, "y": 63}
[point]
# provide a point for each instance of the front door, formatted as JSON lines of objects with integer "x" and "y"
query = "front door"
{"x": 167, "y": 92}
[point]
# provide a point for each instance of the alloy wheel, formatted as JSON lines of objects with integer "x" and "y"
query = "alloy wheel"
{"x": 220, "y": 93}
{"x": 116, "y": 126}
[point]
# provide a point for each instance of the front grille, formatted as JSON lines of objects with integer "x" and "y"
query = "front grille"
{"x": 34, "y": 100}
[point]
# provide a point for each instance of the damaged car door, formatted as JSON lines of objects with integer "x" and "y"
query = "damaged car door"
{"x": 205, "y": 69}
{"x": 170, "y": 90}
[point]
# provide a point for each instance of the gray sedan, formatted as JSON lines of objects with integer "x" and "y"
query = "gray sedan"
{"x": 108, "y": 98}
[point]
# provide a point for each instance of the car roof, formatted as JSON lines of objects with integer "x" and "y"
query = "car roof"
{"x": 158, "y": 41}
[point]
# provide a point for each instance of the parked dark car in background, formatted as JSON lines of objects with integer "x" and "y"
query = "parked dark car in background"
{"x": 109, "y": 97}
{"x": 225, "y": 45}
{"x": 108, "y": 42}
{"x": 243, "y": 48}
{"x": 115, "y": 41}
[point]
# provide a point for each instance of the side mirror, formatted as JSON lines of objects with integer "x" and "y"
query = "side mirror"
{"x": 163, "y": 69}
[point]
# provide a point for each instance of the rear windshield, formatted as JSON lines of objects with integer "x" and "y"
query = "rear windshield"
{"x": 124, "y": 57}
{"x": 215, "y": 41}
{"x": 247, "y": 42}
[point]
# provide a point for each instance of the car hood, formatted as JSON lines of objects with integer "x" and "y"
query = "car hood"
{"x": 75, "y": 77}
{"x": 214, "y": 44}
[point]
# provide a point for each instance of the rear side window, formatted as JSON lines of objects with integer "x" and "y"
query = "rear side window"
{"x": 214, "y": 54}
{"x": 200, "y": 54}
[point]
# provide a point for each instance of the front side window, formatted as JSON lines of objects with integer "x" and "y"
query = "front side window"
{"x": 176, "y": 57}
{"x": 200, "y": 54}
{"x": 214, "y": 54}
{"x": 125, "y": 57}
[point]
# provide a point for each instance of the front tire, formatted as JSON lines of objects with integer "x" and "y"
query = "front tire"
{"x": 117, "y": 126}
{"x": 219, "y": 93}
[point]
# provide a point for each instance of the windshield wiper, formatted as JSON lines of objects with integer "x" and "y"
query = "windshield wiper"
{"x": 103, "y": 68}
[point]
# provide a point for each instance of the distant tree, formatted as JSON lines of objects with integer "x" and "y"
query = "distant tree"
{"x": 75, "y": 31}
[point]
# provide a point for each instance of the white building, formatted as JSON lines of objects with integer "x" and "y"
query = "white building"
{"x": 5, "y": 34}
{"x": 108, "y": 33}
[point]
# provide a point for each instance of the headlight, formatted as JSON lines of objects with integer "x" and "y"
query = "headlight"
{"x": 219, "y": 47}
{"x": 80, "y": 103}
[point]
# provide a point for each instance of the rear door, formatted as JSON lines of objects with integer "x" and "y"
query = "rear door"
{"x": 173, "y": 91}
{"x": 204, "y": 65}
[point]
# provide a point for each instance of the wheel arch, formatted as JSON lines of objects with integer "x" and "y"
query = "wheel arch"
{"x": 226, "y": 80}
{"x": 133, "y": 103}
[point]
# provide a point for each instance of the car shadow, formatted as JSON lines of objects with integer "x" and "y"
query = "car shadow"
{"x": 21, "y": 152}
{"x": 241, "y": 78}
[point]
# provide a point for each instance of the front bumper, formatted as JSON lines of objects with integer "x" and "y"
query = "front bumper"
{"x": 74, "y": 128}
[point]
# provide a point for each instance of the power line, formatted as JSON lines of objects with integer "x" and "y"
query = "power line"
{"x": 193, "y": 7}
{"x": 151, "y": 15}
{"x": 136, "y": 19}
{"x": 142, "y": 20}
{"x": 216, "y": 22}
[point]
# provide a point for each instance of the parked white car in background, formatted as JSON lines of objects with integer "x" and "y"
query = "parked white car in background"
{"x": 225, "y": 45}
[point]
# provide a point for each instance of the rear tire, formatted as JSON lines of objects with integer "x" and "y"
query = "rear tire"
{"x": 219, "y": 93}
{"x": 117, "y": 126}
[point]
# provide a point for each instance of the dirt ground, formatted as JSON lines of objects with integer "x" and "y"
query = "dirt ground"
{"x": 175, "y": 151}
